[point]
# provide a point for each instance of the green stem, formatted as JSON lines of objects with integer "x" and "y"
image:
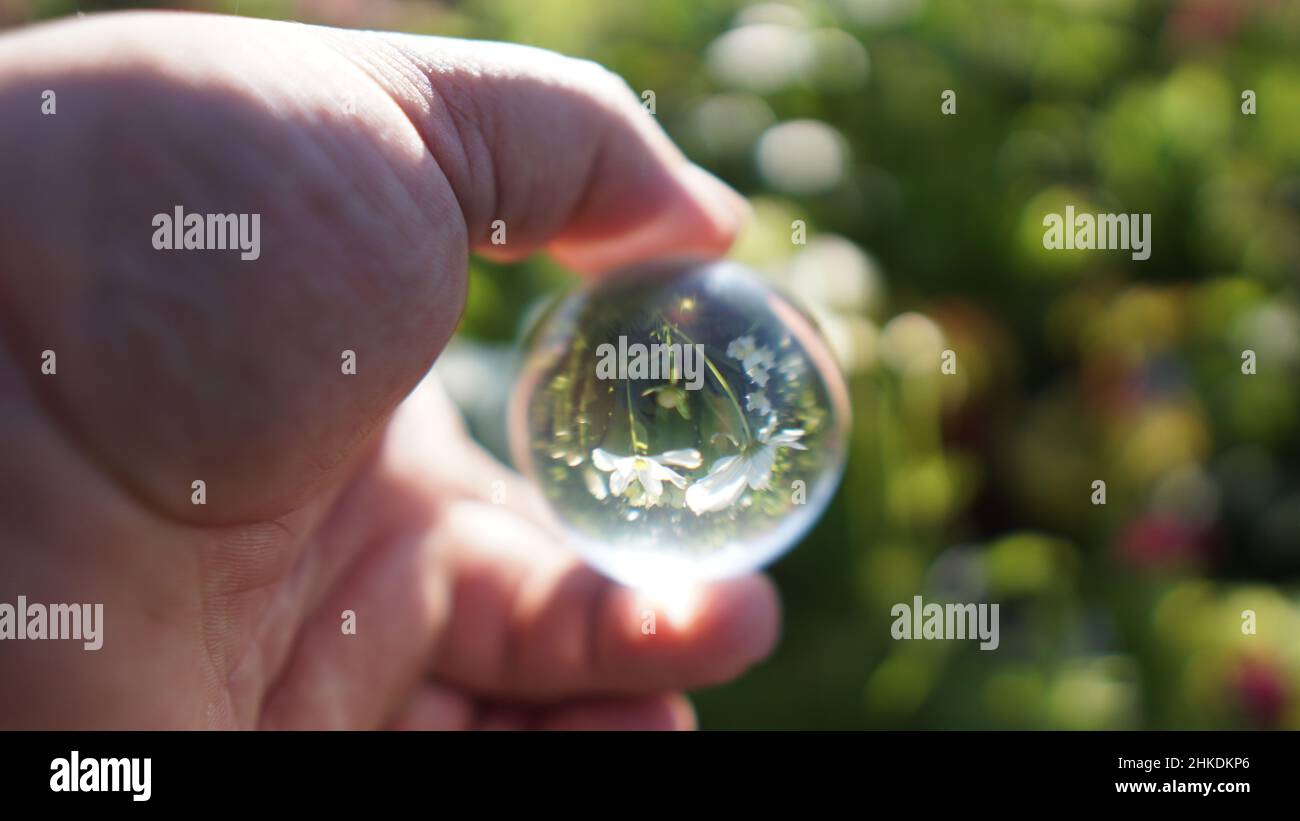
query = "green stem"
{"x": 726, "y": 388}
{"x": 735, "y": 402}
{"x": 637, "y": 446}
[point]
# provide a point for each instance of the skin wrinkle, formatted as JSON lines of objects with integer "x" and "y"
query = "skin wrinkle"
{"x": 219, "y": 682}
{"x": 307, "y": 584}
{"x": 258, "y": 654}
{"x": 461, "y": 266}
{"x": 279, "y": 672}
{"x": 426, "y": 95}
{"x": 302, "y": 583}
{"x": 582, "y": 194}
{"x": 259, "y": 660}
{"x": 401, "y": 535}
{"x": 266, "y": 661}
{"x": 481, "y": 161}
{"x": 290, "y": 605}
{"x": 223, "y": 609}
{"x": 475, "y": 128}
{"x": 376, "y": 416}
{"x": 364, "y": 69}
{"x": 597, "y": 160}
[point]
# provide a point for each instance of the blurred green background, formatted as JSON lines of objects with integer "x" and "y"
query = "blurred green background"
{"x": 923, "y": 234}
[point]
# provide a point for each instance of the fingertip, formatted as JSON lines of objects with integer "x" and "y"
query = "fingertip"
{"x": 728, "y": 210}
{"x": 741, "y": 618}
{"x": 696, "y": 637}
{"x": 686, "y": 213}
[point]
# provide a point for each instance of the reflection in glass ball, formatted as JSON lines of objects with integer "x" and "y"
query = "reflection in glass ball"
{"x": 684, "y": 423}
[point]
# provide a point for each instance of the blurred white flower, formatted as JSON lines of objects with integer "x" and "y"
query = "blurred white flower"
{"x": 757, "y": 365}
{"x": 760, "y": 57}
{"x": 595, "y": 484}
{"x": 730, "y": 475}
{"x": 741, "y": 347}
{"x": 912, "y": 343}
{"x": 757, "y": 401}
{"x": 834, "y": 272}
{"x": 772, "y": 45}
{"x": 757, "y": 361}
{"x": 802, "y": 156}
{"x": 648, "y": 470}
{"x": 792, "y": 366}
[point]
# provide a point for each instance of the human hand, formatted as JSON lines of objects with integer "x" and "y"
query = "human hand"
{"x": 377, "y": 163}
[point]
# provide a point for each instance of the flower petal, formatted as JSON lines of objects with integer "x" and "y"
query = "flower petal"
{"x": 618, "y": 481}
{"x": 741, "y": 347}
{"x": 718, "y": 490}
{"x": 789, "y": 438}
{"x": 647, "y": 476}
{"x": 758, "y": 472}
{"x": 662, "y": 473}
{"x": 595, "y": 484}
{"x": 603, "y": 459}
{"x": 688, "y": 458}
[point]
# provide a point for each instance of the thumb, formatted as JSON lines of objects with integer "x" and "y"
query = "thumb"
{"x": 376, "y": 163}
{"x": 560, "y": 151}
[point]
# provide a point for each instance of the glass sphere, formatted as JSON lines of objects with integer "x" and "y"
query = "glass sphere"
{"x": 684, "y": 423}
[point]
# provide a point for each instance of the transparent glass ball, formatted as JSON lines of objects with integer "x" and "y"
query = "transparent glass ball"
{"x": 684, "y": 423}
